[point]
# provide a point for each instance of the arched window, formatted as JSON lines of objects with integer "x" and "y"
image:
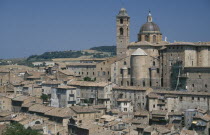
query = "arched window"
{"x": 121, "y": 21}
{"x": 146, "y": 38}
{"x": 154, "y": 39}
{"x": 121, "y": 31}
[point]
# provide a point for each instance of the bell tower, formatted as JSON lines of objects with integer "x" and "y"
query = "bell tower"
{"x": 123, "y": 32}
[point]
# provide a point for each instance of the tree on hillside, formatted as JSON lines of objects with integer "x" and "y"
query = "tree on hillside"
{"x": 18, "y": 129}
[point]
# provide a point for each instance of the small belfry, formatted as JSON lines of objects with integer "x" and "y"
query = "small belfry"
{"x": 150, "y": 31}
{"x": 123, "y": 32}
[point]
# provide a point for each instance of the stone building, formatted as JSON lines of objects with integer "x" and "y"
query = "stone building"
{"x": 32, "y": 90}
{"x": 124, "y": 105}
{"x": 137, "y": 96}
{"x": 33, "y": 75}
{"x": 48, "y": 85}
{"x": 201, "y": 124}
{"x": 152, "y": 62}
{"x": 96, "y": 70}
{"x": 195, "y": 79}
{"x": 64, "y": 96}
{"x": 120, "y": 71}
{"x": 176, "y": 118}
{"x": 176, "y": 101}
{"x": 18, "y": 101}
{"x": 93, "y": 92}
{"x": 6, "y": 102}
{"x": 123, "y": 32}
{"x": 82, "y": 70}
{"x": 103, "y": 70}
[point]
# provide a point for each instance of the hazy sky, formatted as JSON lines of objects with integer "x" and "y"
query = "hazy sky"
{"x": 35, "y": 26}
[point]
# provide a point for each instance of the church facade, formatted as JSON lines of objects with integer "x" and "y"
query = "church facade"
{"x": 152, "y": 62}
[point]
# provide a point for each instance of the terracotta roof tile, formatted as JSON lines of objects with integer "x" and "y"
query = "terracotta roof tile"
{"x": 61, "y": 112}
{"x": 21, "y": 98}
{"x": 131, "y": 88}
{"x": 39, "y": 108}
{"x": 65, "y": 87}
{"x": 86, "y": 83}
{"x": 83, "y": 109}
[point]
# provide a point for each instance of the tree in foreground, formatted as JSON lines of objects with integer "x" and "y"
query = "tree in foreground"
{"x": 18, "y": 129}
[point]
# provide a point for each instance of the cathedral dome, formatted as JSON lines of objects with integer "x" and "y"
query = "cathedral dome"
{"x": 149, "y": 27}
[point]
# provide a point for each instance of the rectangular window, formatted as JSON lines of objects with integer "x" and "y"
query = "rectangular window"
{"x": 158, "y": 70}
{"x": 71, "y": 96}
{"x": 121, "y": 71}
{"x": 125, "y": 63}
{"x": 129, "y": 71}
{"x": 143, "y": 83}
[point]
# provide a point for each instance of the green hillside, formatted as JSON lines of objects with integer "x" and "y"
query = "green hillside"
{"x": 111, "y": 49}
{"x": 94, "y": 52}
